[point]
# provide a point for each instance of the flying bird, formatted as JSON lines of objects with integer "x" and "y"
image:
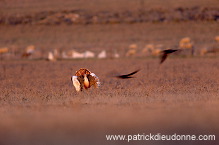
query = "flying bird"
{"x": 127, "y": 76}
{"x": 165, "y": 53}
{"x": 84, "y": 79}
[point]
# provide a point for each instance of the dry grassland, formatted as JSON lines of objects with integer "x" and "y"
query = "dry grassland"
{"x": 40, "y": 106}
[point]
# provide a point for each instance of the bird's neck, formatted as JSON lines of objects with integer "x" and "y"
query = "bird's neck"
{"x": 86, "y": 82}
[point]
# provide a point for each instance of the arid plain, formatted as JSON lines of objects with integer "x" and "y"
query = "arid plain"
{"x": 39, "y": 105}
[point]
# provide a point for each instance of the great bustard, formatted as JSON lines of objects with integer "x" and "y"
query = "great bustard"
{"x": 84, "y": 79}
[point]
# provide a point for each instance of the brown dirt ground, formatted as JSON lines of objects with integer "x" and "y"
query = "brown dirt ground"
{"x": 38, "y": 104}
{"x": 33, "y": 6}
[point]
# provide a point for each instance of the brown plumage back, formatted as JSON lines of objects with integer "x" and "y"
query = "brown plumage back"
{"x": 82, "y": 71}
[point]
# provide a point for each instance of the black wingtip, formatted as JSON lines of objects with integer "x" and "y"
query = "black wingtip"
{"x": 122, "y": 77}
{"x": 165, "y": 54}
{"x": 127, "y": 76}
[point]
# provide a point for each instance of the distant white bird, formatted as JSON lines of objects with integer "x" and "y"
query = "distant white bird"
{"x": 89, "y": 54}
{"x": 102, "y": 54}
{"x": 84, "y": 79}
{"x": 116, "y": 55}
{"x": 77, "y": 55}
{"x": 51, "y": 57}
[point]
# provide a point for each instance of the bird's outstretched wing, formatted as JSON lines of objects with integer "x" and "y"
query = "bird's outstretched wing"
{"x": 94, "y": 80}
{"x": 127, "y": 76}
{"x": 165, "y": 53}
{"x": 163, "y": 58}
{"x": 76, "y": 83}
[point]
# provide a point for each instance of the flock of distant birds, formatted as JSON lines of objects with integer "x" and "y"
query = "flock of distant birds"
{"x": 185, "y": 45}
{"x": 84, "y": 79}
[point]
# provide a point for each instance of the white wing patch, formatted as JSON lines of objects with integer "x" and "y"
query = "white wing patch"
{"x": 96, "y": 78}
{"x": 76, "y": 83}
